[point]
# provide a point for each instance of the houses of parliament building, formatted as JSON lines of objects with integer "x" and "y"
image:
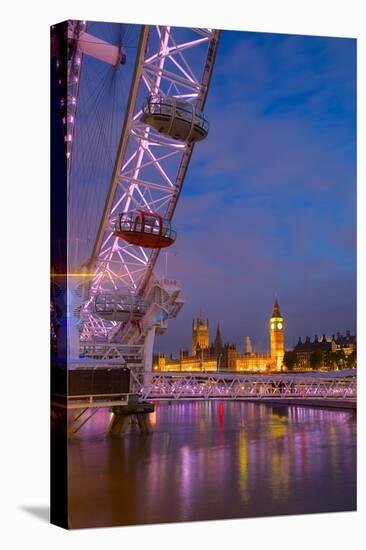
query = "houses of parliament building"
{"x": 220, "y": 356}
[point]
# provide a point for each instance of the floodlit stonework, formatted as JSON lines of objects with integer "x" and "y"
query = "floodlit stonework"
{"x": 224, "y": 356}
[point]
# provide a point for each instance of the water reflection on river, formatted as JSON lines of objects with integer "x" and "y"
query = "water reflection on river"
{"x": 211, "y": 460}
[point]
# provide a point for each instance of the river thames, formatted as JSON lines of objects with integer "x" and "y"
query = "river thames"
{"x": 213, "y": 460}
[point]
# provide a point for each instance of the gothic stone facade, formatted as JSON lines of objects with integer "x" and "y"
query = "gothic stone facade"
{"x": 323, "y": 345}
{"x": 219, "y": 356}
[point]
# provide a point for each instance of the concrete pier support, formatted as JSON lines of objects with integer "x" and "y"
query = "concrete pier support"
{"x": 144, "y": 422}
{"x": 133, "y": 413}
{"x": 148, "y": 425}
{"x": 118, "y": 424}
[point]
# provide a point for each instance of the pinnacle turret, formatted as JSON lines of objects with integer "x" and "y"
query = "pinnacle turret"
{"x": 218, "y": 345}
{"x": 276, "y": 310}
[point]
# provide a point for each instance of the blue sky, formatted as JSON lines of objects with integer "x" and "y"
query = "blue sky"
{"x": 268, "y": 206}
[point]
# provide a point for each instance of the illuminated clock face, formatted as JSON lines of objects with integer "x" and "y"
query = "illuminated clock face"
{"x": 279, "y": 326}
{"x": 272, "y": 326}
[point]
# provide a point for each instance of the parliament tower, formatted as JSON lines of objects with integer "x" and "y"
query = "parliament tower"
{"x": 200, "y": 335}
{"x": 276, "y": 334}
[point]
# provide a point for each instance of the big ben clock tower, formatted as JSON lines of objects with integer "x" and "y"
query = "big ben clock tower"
{"x": 276, "y": 334}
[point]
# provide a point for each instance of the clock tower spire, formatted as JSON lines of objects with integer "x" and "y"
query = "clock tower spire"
{"x": 276, "y": 335}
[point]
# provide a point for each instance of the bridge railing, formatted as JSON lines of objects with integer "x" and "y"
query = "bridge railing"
{"x": 214, "y": 386}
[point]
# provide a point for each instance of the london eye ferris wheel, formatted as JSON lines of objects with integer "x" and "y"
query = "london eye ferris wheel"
{"x": 131, "y": 119}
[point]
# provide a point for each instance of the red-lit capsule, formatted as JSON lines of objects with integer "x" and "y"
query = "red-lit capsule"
{"x": 145, "y": 229}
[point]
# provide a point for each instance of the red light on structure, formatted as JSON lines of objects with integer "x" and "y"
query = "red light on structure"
{"x": 221, "y": 414}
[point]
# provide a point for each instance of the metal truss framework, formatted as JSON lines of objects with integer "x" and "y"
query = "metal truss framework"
{"x": 105, "y": 351}
{"x": 176, "y": 386}
{"x": 150, "y": 168}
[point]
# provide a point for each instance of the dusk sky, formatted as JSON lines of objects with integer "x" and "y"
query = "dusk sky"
{"x": 269, "y": 202}
{"x": 268, "y": 206}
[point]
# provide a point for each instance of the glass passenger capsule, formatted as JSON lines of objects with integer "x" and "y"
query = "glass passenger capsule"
{"x": 144, "y": 229}
{"x": 119, "y": 307}
{"x": 175, "y": 118}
